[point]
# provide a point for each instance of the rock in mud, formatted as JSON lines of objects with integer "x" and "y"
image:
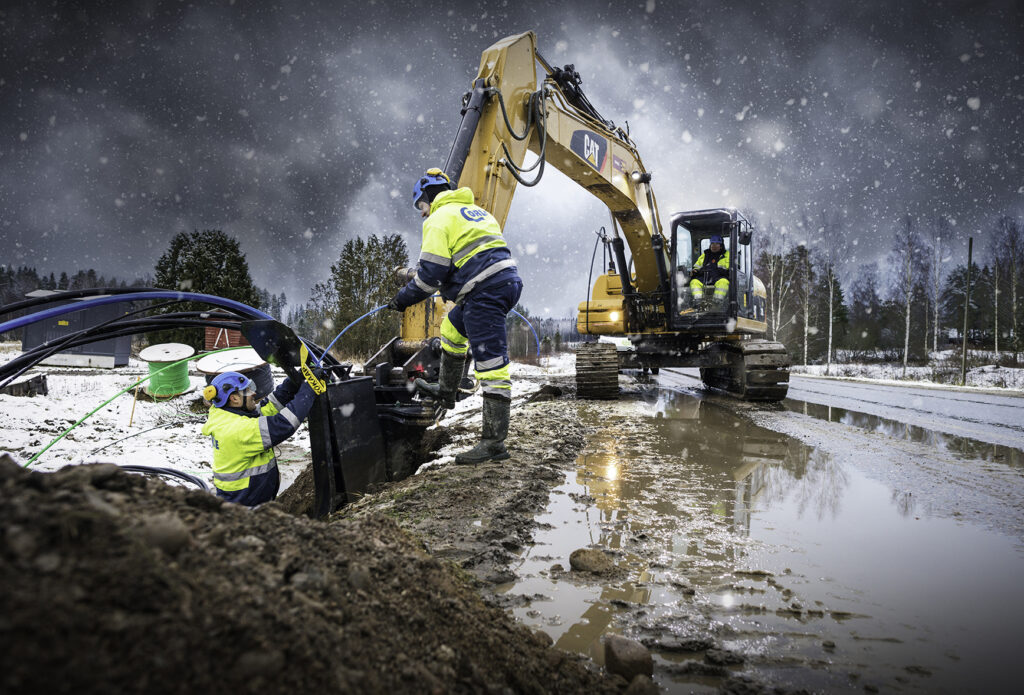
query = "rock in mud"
{"x": 166, "y": 532}
{"x": 627, "y": 658}
{"x": 591, "y": 560}
{"x": 642, "y": 685}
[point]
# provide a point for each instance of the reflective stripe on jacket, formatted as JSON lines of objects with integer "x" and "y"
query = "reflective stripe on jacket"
{"x": 462, "y": 249}
{"x": 243, "y": 443}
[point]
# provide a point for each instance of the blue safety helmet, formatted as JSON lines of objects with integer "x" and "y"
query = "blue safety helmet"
{"x": 223, "y": 385}
{"x": 716, "y": 239}
{"x": 433, "y": 177}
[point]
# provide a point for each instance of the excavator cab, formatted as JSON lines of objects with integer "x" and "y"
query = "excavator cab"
{"x": 711, "y": 297}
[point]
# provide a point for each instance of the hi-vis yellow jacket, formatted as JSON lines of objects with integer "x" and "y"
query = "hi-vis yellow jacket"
{"x": 721, "y": 267}
{"x": 462, "y": 249}
{"x": 243, "y": 445}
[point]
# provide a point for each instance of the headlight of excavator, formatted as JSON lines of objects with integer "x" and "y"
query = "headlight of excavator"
{"x": 614, "y": 316}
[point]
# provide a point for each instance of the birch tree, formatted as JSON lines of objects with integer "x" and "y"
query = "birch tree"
{"x": 778, "y": 275}
{"x": 907, "y": 261}
{"x": 832, "y": 248}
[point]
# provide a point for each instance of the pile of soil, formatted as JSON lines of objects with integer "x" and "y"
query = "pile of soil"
{"x": 114, "y": 582}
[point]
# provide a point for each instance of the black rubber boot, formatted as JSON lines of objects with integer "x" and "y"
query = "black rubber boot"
{"x": 493, "y": 434}
{"x": 447, "y": 386}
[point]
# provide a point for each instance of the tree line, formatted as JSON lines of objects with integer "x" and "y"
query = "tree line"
{"x": 205, "y": 262}
{"x": 896, "y": 310}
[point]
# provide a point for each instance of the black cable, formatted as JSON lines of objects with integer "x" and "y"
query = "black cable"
{"x": 136, "y": 434}
{"x": 167, "y": 473}
{"x": 74, "y": 294}
{"x": 590, "y": 275}
{"x": 122, "y": 328}
{"x": 141, "y": 326}
{"x": 59, "y": 343}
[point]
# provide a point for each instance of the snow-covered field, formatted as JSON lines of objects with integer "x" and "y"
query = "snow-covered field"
{"x": 988, "y": 376}
{"x": 164, "y": 434}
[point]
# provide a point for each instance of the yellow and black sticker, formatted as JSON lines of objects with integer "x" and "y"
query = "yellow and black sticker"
{"x": 318, "y": 385}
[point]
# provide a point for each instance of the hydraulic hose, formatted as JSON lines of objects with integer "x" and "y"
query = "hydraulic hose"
{"x": 104, "y": 403}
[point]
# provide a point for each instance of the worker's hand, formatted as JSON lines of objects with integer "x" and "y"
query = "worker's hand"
{"x": 320, "y": 373}
{"x": 394, "y": 305}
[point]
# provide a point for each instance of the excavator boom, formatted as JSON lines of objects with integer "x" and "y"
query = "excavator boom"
{"x": 520, "y": 103}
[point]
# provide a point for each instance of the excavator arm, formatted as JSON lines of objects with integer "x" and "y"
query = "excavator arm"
{"x": 509, "y": 112}
{"x": 506, "y": 114}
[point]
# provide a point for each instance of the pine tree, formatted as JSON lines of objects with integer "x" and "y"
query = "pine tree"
{"x": 361, "y": 280}
{"x": 206, "y": 262}
{"x": 865, "y": 311}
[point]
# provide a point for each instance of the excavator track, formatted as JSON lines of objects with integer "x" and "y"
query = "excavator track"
{"x": 759, "y": 371}
{"x": 597, "y": 371}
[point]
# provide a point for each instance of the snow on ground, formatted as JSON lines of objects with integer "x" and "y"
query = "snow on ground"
{"x": 164, "y": 434}
{"x": 989, "y": 376}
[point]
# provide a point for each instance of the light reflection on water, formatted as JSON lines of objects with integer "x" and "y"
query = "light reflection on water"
{"x": 772, "y": 547}
{"x": 961, "y": 446}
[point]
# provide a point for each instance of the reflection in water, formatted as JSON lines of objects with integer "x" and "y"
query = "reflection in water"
{"x": 771, "y": 542}
{"x": 960, "y": 446}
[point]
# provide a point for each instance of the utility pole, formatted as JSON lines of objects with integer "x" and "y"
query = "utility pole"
{"x": 967, "y": 303}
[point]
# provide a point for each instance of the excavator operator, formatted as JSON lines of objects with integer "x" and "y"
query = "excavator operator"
{"x": 711, "y": 268}
{"x": 464, "y": 257}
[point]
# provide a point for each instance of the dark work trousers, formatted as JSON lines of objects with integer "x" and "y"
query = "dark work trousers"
{"x": 482, "y": 319}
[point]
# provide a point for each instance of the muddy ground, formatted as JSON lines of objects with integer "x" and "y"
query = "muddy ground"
{"x": 113, "y": 582}
{"x": 117, "y": 583}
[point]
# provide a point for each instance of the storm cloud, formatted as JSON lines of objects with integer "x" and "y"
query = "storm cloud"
{"x": 299, "y": 126}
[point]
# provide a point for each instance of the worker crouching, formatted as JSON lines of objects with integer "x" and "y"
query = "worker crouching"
{"x": 464, "y": 257}
{"x": 244, "y": 433}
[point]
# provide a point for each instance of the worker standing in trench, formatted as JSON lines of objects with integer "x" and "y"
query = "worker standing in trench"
{"x": 244, "y": 434}
{"x": 464, "y": 257}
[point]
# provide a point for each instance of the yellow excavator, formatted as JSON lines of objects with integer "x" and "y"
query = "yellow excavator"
{"x": 646, "y": 299}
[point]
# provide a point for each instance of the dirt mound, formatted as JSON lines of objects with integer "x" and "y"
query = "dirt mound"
{"x": 117, "y": 583}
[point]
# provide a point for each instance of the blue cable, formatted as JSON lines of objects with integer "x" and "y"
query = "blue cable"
{"x": 531, "y": 329}
{"x": 385, "y": 306}
{"x": 113, "y": 299}
{"x": 369, "y": 313}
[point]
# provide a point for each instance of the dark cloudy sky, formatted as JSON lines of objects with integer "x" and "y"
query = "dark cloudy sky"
{"x": 298, "y": 125}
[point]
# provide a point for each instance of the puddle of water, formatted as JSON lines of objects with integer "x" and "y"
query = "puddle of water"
{"x": 820, "y": 576}
{"x": 964, "y": 447}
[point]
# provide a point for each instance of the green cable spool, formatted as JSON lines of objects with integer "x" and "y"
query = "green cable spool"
{"x": 164, "y": 381}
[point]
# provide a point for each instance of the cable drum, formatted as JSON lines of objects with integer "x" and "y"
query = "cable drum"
{"x": 246, "y": 361}
{"x": 172, "y": 381}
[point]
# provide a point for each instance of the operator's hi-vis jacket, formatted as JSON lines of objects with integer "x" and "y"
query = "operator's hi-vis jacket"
{"x": 722, "y": 263}
{"x": 462, "y": 250}
{"x": 243, "y": 440}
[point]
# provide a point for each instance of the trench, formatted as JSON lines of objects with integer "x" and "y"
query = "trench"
{"x": 743, "y": 552}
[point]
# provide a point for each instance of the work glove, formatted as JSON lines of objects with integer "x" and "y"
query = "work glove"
{"x": 394, "y": 305}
